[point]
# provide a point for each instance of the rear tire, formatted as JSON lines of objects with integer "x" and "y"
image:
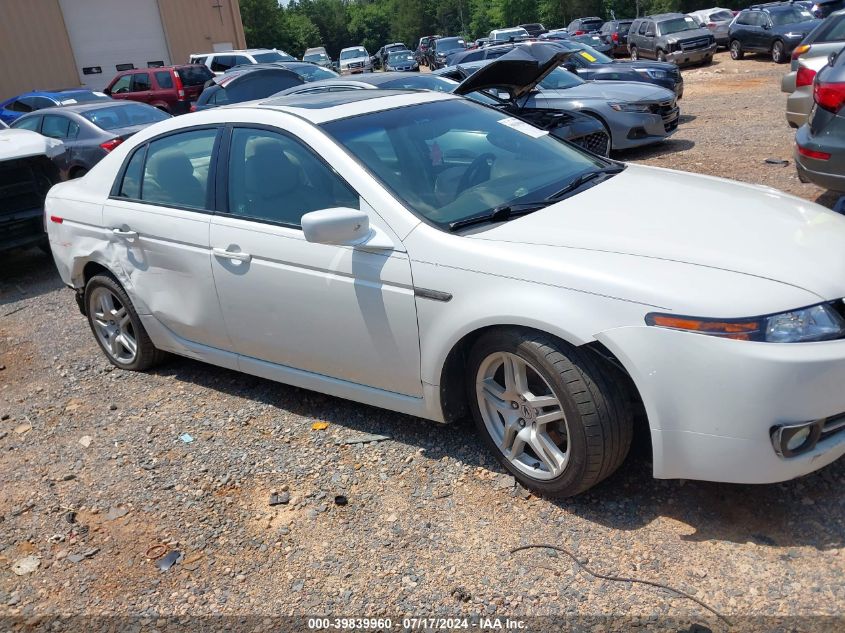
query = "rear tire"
{"x": 117, "y": 327}
{"x": 779, "y": 55}
{"x": 557, "y": 417}
{"x": 736, "y": 50}
{"x": 635, "y": 54}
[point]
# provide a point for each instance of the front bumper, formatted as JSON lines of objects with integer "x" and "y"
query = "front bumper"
{"x": 828, "y": 174}
{"x": 634, "y": 129}
{"x": 798, "y": 106}
{"x": 682, "y": 58}
{"x": 712, "y": 402}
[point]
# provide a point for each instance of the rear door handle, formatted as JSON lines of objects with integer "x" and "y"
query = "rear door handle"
{"x": 129, "y": 235}
{"x": 235, "y": 255}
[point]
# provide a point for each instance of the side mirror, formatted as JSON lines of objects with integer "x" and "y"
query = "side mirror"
{"x": 831, "y": 59}
{"x": 106, "y": 91}
{"x": 344, "y": 227}
{"x": 767, "y": 26}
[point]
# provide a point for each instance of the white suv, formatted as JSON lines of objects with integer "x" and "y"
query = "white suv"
{"x": 354, "y": 60}
{"x": 221, "y": 62}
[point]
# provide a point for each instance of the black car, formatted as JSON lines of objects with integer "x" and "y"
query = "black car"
{"x": 380, "y": 58}
{"x": 440, "y": 50}
{"x": 535, "y": 29}
{"x": 258, "y": 81}
{"x": 581, "y": 26}
{"x": 615, "y": 34}
{"x": 775, "y": 28}
{"x": 589, "y": 63}
{"x": 580, "y": 129}
{"x": 594, "y": 40}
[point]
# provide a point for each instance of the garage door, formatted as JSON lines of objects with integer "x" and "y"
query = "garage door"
{"x": 111, "y": 35}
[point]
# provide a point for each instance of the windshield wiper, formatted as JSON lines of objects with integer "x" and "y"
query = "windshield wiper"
{"x": 580, "y": 181}
{"x": 501, "y": 213}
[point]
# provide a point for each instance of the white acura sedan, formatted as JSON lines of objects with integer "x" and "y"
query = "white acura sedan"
{"x": 423, "y": 253}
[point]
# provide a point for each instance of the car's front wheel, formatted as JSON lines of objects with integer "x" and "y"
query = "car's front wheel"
{"x": 736, "y": 50}
{"x": 661, "y": 56}
{"x": 778, "y": 52}
{"x": 116, "y": 325}
{"x": 556, "y": 416}
{"x": 635, "y": 54}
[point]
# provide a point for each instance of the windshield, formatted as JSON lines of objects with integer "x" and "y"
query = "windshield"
{"x": 353, "y": 53}
{"x": 314, "y": 73}
{"x": 117, "y": 116}
{"x": 560, "y": 79}
{"x": 272, "y": 56}
{"x": 396, "y": 58}
{"x": 316, "y": 57}
{"x": 451, "y": 160}
{"x": 448, "y": 43}
{"x": 789, "y": 15}
{"x": 676, "y": 25}
{"x": 504, "y": 36}
{"x": 721, "y": 16}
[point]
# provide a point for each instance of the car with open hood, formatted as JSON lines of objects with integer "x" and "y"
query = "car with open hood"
{"x": 579, "y": 129}
{"x": 530, "y": 77}
{"x": 419, "y": 252}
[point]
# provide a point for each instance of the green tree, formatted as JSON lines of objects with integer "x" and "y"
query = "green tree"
{"x": 263, "y": 23}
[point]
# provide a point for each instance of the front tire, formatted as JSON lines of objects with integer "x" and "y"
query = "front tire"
{"x": 661, "y": 56}
{"x": 736, "y": 50}
{"x": 778, "y": 52}
{"x": 117, "y": 327}
{"x": 557, "y": 417}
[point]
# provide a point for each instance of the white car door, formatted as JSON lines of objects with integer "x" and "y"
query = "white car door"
{"x": 337, "y": 311}
{"x": 159, "y": 216}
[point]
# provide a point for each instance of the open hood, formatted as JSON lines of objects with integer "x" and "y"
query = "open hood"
{"x": 517, "y": 71}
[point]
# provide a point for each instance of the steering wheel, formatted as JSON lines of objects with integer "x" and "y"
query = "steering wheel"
{"x": 477, "y": 172}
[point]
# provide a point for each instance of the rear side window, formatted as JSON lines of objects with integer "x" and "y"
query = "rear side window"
{"x": 194, "y": 75}
{"x": 112, "y": 117}
{"x": 744, "y": 19}
{"x": 56, "y": 126}
{"x": 259, "y": 86}
{"x": 222, "y": 63}
{"x": 198, "y": 60}
{"x": 140, "y": 82}
{"x": 176, "y": 172}
{"x": 164, "y": 80}
{"x": 28, "y": 123}
{"x": 19, "y": 105}
{"x": 643, "y": 27}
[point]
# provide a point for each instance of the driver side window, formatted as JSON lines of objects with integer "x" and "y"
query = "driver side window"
{"x": 651, "y": 29}
{"x": 275, "y": 178}
{"x": 121, "y": 85}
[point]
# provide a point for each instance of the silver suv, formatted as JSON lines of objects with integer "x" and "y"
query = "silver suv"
{"x": 671, "y": 37}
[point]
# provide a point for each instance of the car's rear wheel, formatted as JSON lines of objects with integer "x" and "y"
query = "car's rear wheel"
{"x": 556, "y": 416}
{"x": 736, "y": 50}
{"x": 116, "y": 325}
{"x": 635, "y": 54}
{"x": 778, "y": 52}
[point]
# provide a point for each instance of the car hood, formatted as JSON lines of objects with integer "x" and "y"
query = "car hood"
{"x": 518, "y": 71}
{"x": 25, "y": 143}
{"x": 666, "y": 66}
{"x": 628, "y": 91}
{"x": 698, "y": 220}
{"x": 797, "y": 27}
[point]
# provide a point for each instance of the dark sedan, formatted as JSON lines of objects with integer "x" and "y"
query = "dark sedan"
{"x": 89, "y": 131}
{"x": 440, "y": 51}
{"x": 247, "y": 83}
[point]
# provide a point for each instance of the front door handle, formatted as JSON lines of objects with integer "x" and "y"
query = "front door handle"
{"x": 235, "y": 255}
{"x": 129, "y": 235}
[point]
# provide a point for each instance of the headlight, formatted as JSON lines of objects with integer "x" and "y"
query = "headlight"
{"x": 654, "y": 74}
{"x": 817, "y": 323}
{"x": 631, "y": 107}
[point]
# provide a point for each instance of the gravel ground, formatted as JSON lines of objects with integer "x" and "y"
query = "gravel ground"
{"x": 96, "y": 484}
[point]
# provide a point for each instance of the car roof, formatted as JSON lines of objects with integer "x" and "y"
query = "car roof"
{"x": 329, "y": 106}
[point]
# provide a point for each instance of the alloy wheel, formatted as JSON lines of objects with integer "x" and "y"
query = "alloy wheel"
{"x": 523, "y": 416}
{"x": 777, "y": 52}
{"x": 113, "y": 325}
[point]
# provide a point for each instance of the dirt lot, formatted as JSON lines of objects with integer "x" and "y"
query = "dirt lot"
{"x": 430, "y": 518}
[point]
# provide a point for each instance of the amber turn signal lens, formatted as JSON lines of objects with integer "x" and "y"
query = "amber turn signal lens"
{"x": 742, "y": 330}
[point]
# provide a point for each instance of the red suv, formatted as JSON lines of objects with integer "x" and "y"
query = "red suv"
{"x": 169, "y": 88}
